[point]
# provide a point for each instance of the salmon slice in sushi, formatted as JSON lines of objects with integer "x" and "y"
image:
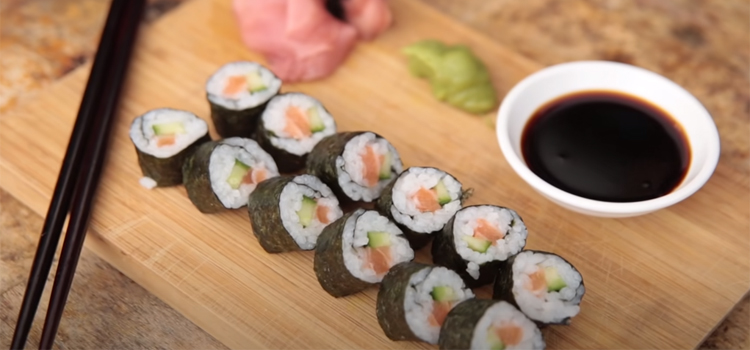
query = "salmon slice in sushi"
{"x": 489, "y": 324}
{"x": 356, "y": 165}
{"x": 238, "y": 93}
{"x": 221, "y": 175}
{"x": 414, "y": 300}
{"x": 289, "y": 212}
{"x": 291, "y": 125}
{"x": 477, "y": 239}
{"x": 421, "y": 201}
{"x": 357, "y": 250}
{"x": 546, "y": 287}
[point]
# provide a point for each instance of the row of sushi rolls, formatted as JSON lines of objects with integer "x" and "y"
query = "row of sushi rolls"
{"x": 266, "y": 133}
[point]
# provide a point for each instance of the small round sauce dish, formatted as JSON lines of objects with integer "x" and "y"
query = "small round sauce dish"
{"x": 607, "y": 139}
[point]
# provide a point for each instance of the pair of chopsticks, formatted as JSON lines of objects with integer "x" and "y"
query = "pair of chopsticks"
{"x": 80, "y": 173}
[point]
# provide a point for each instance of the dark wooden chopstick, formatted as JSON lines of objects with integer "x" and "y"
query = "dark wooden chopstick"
{"x": 99, "y": 97}
{"x": 88, "y": 182}
{"x": 66, "y": 181}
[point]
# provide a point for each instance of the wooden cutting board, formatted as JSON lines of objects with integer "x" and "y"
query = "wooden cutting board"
{"x": 662, "y": 280}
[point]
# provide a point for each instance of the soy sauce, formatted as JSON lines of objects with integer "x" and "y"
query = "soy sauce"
{"x": 606, "y": 146}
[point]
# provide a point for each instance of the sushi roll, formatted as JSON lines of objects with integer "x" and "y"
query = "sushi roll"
{"x": 238, "y": 93}
{"x": 356, "y": 165}
{"x": 477, "y": 239}
{"x": 421, "y": 201}
{"x": 291, "y": 125}
{"x": 546, "y": 287}
{"x": 221, "y": 174}
{"x": 289, "y": 212}
{"x": 163, "y": 139}
{"x": 415, "y": 298}
{"x": 489, "y": 324}
{"x": 357, "y": 250}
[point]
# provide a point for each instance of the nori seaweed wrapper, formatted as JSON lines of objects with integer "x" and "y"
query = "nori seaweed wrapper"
{"x": 265, "y": 216}
{"x": 458, "y": 328}
{"x": 444, "y": 254}
{"x": 167, "y": 171}
{"x": 197, "y": 181}
{"x": 390, "y": 304}
{"x": 329, "y": 265}
{"x": 503, "y": 287}
{"x": 417, "y": 240}
{"x": 321, "y": 161}
{"x": 230, "y": 123}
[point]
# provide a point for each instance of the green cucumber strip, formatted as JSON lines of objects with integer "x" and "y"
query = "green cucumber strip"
{"x": 307, "y": 212}
{"x": 239, "y": 170}
{"x": 443, "y": 293}
{"x": 169, "y": 128}
{"x": 385, "y": 168}
{"x": 442, "y": 193}
{"x": 378, "y": 239}
{"x": 555, "y": 282}
{"x": 477, "y": 244}
{"x": 316, "y": 123}
{"x": 255, "y": 82}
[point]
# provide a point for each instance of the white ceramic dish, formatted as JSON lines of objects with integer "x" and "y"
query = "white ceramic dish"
{"x": 555, "y": 81}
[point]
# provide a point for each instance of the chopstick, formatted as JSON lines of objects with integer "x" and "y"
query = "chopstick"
{"x": 87, "y": 184}
{"x": 91, "y": 107}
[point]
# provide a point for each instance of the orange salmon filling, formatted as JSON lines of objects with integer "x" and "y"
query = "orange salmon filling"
{"x": 166, "y": 140}
{"x": 235, "y": 84}
{"x": 426, "y": 200}
{"x": 378, "y": 260}
{"x": 440, "y": 310}
{"x": 297, "y": 123}
{"x": 509, "y": 334}
{"x": 487, "y": 231}
{"x": 537, "y": 282}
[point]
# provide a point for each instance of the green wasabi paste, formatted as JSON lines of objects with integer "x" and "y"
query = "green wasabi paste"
{"x": 456, "y": 75}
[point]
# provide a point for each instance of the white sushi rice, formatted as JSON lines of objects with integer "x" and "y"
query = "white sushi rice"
{"x": 502, "y": 313}
{"x": 290, "y": 203}
{"x": 354, "y": 242}
{"x": 147, "y": 183}
{"x": 506, "y": 220}
{"x": 351, "y": 168}
{"x": 222, "y": 161}
{"x": 244, "y": 99}
{"x": 143, "y": 136}
{"x": 418, "y": 302}
{"x": 404, "y": 209}
{"x": 548, "y": 306}
{"x": 274, "y": 120}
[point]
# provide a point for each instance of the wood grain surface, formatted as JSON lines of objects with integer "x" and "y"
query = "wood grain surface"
{"x": 668, "y": 277}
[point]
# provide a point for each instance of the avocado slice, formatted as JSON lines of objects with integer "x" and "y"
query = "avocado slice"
{"x": 385, "y": 168}
{"x": 442, "y": 193}
{"x": 554, "y": 280}
{"x": 443, "y": 293}
{"x": 316, "y": 124}
{"x": 494, "y": 341}
{"x": 169, "y": 128}
{"x": 255, "y": 82}
{"x": 378, "y": 239}
{"x": 239, "y": 170}
{"x": 477, "y": 244}
{"x": 307, "y": 212}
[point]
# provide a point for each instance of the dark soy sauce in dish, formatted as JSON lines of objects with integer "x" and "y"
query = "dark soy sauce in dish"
{"x": 606, "y": 146}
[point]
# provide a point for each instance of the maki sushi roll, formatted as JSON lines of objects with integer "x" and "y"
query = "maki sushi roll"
{"x": 238, "y": 93}
{"x": 163, "y": 139}
{"x": 289, "y": 212}
{"x": 415, "y": 298}
{"x": 221, "y": 174}
{"x": 489, "y": 324}
{"x": 477, "y": 239}
{"x": 356, "y": 165}
{"x": 421, "y": 201}
{"x": 357, "y": 250}
{"x": 291, "y": 125}
{"x": 546, "y": 287}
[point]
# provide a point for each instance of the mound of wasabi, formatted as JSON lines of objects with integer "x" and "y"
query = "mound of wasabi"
{"x": 457, "y": 76}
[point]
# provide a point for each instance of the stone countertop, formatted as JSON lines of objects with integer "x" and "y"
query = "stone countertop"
{"x": 701, "y": 45}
